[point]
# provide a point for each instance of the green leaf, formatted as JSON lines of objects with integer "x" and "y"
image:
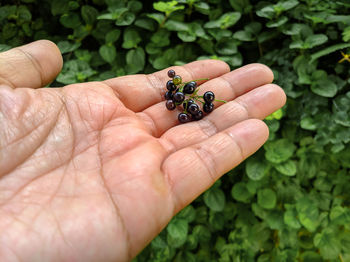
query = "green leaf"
{"x": 146, "y": 23}
{"x": 173, "y": 25}
{"x": 324, "y": 87}
{"x": 59, "y": 7}
{"x": 135, "y": 60}
{"x": 310, "y": 256}
{"x": 256, "y": 169}
{"x": 70, "y": 20}
{"x": 167, "y": 7}
{"x": 267, "y": 198}
{"x": 108, "y": 53}
{"x": 158, "y": 17}
{"x": 340, "y": 215}
{"x": 240, "y": 192}
{"x": 328, "y": 244}
{"x": 328, "y": 50}
{"x": 188, "y": 213}
{"x": 4, "y": 48}
{"x": 243, "y": 36}
{"x": 134, "y": 6}
{"x": 279, "y": 150}
{"x": 278, "y": 114}
{"x": 291, "y": 217}
{"x": 315, "y": 40}
{"x": 24, "y": 14}
{"x": 287, "y": 168}
{"x": 288, "y": 4}
{"x": 112, "y": 36}
{"x": 186, "y": 36}
{"x": 307, "y": 213}
{"x": 277, "y": 23}
{"x": 125, "y": 19}
{"x": 202, "y": 7}
{"x": 308, "y": 123}
{"x": 66, "y": 46}
{"x": 215, "y": 199}
{"x": 89, "y": 14}
{"x": 226, "y": 47}
{"x": 177, "y": 232}
{"x": 242, "y": 6}
{"x": 131, "y": 38}
{"x": 202, "y": 233}
{"x": 225, "y": 21}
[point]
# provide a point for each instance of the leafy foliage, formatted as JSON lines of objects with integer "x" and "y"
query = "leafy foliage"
{"x": 291, "y": 200}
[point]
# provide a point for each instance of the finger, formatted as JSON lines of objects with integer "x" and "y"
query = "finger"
{"x": 258, "y": 103}
{"x": 226, "y": 87}
{"x": 33, "y": 65}
{"x": 192, "y": 170}
{"x": 139, "y": 92}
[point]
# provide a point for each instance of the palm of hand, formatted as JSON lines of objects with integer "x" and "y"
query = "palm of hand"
{"x": 88, "y": 174}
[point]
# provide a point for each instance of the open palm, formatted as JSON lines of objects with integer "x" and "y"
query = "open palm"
{"x": 94, "y": 171}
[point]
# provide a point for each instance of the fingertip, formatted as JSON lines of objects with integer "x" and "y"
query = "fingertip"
{"x": 47, "y": 55}
{"x": 250, "y": 134}
{"x": 264, "y": 71}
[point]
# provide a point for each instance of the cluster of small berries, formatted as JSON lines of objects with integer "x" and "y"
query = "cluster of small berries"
{"x": 185, "y": 94}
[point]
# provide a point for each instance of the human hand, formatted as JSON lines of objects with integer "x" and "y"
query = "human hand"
{"x": 94, "y": 171}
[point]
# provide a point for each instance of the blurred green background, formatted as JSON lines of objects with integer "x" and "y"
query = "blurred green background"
{"x": 291, "y": 200}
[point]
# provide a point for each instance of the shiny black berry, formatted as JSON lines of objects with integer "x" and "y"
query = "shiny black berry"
{"x": 198, "y": 116}
{"x": 170, "y": 85}
{"x": 187, "y": 103}
{"x": 168, "y": 95}
{"x": 193, "y": 109}
{"x": 208, "y": 107}
{"x": 177, "y": 80}
{"x": 190, "y": 87}
{"x": 170, "y": 105}
{"x": 208, "y": 97}
{"x": 184, "y": 118}
{"x": 171, "y": 73}
{"x": 179, "y": 97}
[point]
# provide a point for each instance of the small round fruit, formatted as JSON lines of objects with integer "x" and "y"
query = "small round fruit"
{"x": 170, "y": 85}
{"x": 198, "y": 116}
{"x": 193, "y": 109}
{"x": 187, "y": 103}
{"x": 209, "y": 96}
{"x": 177, "y": 80}
{"x": 208, "y": 107}
{"x": 170, "y": 105}
{"x": 171, "y": 73}
{"x": 184, "y": 118}
{"x": 190, "y": 87}
{"x": 168, "y": 95}
{"x": 179, "y": 97}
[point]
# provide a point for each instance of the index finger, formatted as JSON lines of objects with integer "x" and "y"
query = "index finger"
{"x": 139, "y": 92}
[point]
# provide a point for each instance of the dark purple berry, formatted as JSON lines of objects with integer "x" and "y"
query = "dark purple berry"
{"x": 208, "y": 107}
{"x": 187, "y": 103}
{"x": 190, "y": 87}
{"x": 209, "y": 97}
{"x": 198, "y": 116}
{"x": 184, "y": 118}
{"x": 170, "y": 85}
{"x": 170, "y": 105}
{"x": 193, "y": 109}
{"x": 179, "y": 97}
{"x": 168, "y": 95}
{"x": 171, "y": 73}
{"x": 177, "y": 80}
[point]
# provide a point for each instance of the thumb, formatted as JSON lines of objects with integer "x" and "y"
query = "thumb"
{"x": 33, "y": 65}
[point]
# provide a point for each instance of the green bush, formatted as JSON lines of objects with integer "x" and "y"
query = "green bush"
{"x": 291, "y": 200}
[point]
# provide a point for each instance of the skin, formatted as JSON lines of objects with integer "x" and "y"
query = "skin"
{"x": 94, "y": 171}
